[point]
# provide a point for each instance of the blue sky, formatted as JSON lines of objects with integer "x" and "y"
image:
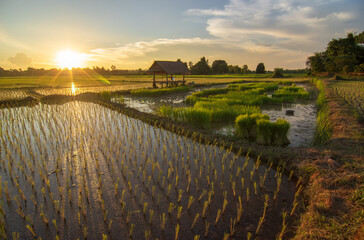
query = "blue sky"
{"x": 133, "y": 33}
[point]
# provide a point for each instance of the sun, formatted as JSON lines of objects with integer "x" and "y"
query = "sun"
{"x": 69, "y": 59}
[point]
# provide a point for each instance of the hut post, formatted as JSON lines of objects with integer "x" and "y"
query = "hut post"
{"x": 154, "y": 85}
{"x": 167, "y": 78}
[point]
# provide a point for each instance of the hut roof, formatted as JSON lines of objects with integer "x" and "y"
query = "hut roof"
{"x": 169, "y": 67}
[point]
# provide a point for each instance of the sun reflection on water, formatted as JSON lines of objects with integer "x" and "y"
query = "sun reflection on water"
{"x": 73, "y": 89}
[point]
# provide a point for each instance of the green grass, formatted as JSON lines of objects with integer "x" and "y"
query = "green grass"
{"x": 272, "y": 133}
{"x": 205, "y": 113}
{"x": 130, "y": 81}
{"x": 249, "y": 86}
{"x": 293, "y": 92}
{"x": 258, "y": 127}
{"x": 323, "y": 129}
{"x": 196, "y": 117}
{"x": 246, "y": 125}
{"x": 222, "y": 112}
{"x": 159, "y": 91}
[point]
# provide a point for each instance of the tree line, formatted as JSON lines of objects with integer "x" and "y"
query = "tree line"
{"x": 341, "y": 55}
{"x": 66, "y": 72}
{"x": 202, "y": 67}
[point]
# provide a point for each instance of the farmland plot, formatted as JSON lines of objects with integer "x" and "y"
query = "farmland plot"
{"x": 79, "y": 170}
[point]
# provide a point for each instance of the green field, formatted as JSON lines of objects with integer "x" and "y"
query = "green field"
{"x": 142, "y": 80}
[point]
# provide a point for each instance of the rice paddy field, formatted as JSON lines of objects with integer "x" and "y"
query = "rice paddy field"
{"x": 80, "y": 170}
{"x": 93, "y": 160}
{"x": 18, "y": 87}
{"x": 352, "y": 92}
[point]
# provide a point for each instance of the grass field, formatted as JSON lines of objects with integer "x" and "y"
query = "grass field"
{"x": 143, "y": 80}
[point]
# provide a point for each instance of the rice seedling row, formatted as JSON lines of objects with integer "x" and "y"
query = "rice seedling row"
{"x": 80, "y": 170}
{"x": 352, "y": 92}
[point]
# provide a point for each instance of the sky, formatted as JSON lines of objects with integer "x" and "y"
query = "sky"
{"x": 131, "y": 34}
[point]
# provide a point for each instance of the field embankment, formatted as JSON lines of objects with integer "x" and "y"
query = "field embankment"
{"x": 335, "y": 187}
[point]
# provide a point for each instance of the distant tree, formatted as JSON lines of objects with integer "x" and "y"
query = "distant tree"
{"x": 245, "y": 69}
{"x": 234, "y": 69}
{"x": 316, "y": 63}
{"x": 343, "y": 52}
{"x": 359, "y": 68}
{"x": 278, "y": 73}
{"x": 190, "y": 64}
{"x": 185, "y": 63}
{"x": 348, "y": 69}
{"x": 359, "y": 38}
{"x": 113, "y": 67}
{"x": 260, "y": 68}
{"x": 201, "y": 67}
{"x": 219, "y": 67}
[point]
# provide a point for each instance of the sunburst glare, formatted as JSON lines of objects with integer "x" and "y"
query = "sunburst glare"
{"x": 69, "y": 59}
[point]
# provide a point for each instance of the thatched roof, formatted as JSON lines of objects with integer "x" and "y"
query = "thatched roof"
{"x": 169, "y": 67}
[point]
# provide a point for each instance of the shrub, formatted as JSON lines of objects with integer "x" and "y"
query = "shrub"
{"x": 278, "y": 73}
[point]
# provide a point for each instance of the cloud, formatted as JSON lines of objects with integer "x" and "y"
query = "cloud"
{"x": 141, "y": 48}
{"x": 20, "y": 60}
{"x": 281, "y": 23}
{"x": 251, "y": 31}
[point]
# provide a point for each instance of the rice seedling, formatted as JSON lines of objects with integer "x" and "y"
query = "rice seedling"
{"x": 177, "y": 231}
{"x": 54, "y": 221}
{"x": 204, "y": 210}
{"x": 147, "y": 234}
{"x": 224, "y": 205}
{"x": 43, "y": 217}
{"x": 247, "y": 195}
{"x": 249, "y": 235}
{"x": 202, "y": 195}
{"x": 218, "y": 215}
{"x": 284, "y": 226}
{"x": 190, "y": 201}
{"x": 207, "y": 227}
{"x": 31, "y": 230}
{"x": 132, "y": 226}
{"x": 151, "y": 212}
{"x": 171, "y": 208}
{"x": 195, "y": 220}
{"x": 163, "y": 222}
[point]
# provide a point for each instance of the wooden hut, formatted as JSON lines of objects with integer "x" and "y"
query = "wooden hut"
{"x": 168, "y": 68}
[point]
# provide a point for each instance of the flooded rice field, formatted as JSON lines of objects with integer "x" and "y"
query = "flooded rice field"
{"x": 151, "y": 104}
{"x": 80, "y": 170}
{"x": 302, "y": 120}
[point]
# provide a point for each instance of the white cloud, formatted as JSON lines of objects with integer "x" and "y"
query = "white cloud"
{"x": 286, "y": 29}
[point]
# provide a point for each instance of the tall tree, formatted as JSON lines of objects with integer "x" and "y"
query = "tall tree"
{"x": 260, "y": 68}
{"x": 201, "y": 67}
{"x": 340, "y": 53}
{"x": 219, "y": 67}
{"x": 316, "y": 62}
{"x": 245, "y": 69}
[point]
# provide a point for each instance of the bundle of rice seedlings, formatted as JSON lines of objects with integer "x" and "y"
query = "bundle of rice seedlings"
{"x": 246, "y": 124}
